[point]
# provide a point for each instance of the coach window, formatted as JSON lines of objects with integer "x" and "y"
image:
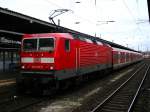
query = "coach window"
{"x": 119, "y": 55}
{"x": 67, "y": 45}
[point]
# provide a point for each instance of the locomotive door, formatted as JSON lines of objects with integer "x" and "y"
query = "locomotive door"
{"x": 77, "y": 59}
{"x": 77, "y": 56}
{"x": 67, "y": 53}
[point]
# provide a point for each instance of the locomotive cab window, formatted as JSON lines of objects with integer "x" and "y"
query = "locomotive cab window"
{"x": 41, "y": 44}
{"x": 29, "y": 44}
{"x": 67, "y": 45}
{"x": 46, "y": 44}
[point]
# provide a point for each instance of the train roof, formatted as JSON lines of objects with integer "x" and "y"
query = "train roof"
{"x": 124, "y": 50}
{"x": 81, "y": 36}
{"x": 112, "y": 44}
{"x": 42, "y": 35}
{"x": 34, "y": 25}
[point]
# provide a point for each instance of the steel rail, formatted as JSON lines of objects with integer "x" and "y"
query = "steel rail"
{"x": 105, "y": 100}
{"x": 27, "y": 105}
{"x": 138, "y": 91}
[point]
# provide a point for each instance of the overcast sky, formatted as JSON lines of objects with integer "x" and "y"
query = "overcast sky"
{"x": 131, "y": 27}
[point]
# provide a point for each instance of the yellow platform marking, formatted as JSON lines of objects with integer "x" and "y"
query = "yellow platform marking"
{"x": 7, "y": 82}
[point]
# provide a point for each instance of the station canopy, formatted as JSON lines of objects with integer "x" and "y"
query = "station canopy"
{"x": 13, "y": 25}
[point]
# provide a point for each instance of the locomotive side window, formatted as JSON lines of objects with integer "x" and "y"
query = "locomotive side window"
{"x": 46, "y": 44}
{"x": 67, "y": 45}
{"x": 29, "y": 44}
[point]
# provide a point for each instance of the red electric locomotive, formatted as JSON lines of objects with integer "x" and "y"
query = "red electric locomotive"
{"x": 53, "y": 57}
{"x": 49, "y": 59}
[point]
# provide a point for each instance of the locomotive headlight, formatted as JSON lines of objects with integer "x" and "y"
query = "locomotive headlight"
{"x": 22, "y": 67}
{"x": 51, "y": 68}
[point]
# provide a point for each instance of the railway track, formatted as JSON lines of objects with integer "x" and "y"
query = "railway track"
{"x": 12, "y": 102}
{"x": 143, "y": 100}
{"x": 123, "y": 98}
{"x": 30, "y": 105}
{"x": 17, "y": 104}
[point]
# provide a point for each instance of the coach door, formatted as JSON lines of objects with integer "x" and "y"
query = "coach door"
{"x": 119, "y": 57}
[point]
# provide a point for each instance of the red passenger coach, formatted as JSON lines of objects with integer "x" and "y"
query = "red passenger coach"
{"x": 122, "y": 57}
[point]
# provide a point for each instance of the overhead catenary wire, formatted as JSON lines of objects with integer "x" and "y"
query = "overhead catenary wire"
{"x": 82, "y": 19}
{"x": 61, "y": 7}
{"x": 133, "y": 17}
{"x": 138, "y": 22}
{"x": 137, "y": 4}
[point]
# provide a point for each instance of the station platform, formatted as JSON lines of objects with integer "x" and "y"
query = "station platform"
{"x": 8, "y": 78}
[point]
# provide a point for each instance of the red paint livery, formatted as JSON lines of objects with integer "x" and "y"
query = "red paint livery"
{"x": 62, "y": 56}
{"x": 69, "y": 54}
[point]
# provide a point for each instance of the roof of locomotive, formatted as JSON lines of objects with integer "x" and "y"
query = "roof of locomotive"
{"x": 64, "y": 35}
{"x": 83, "y": 37}
{"x": 42, "y": 35}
